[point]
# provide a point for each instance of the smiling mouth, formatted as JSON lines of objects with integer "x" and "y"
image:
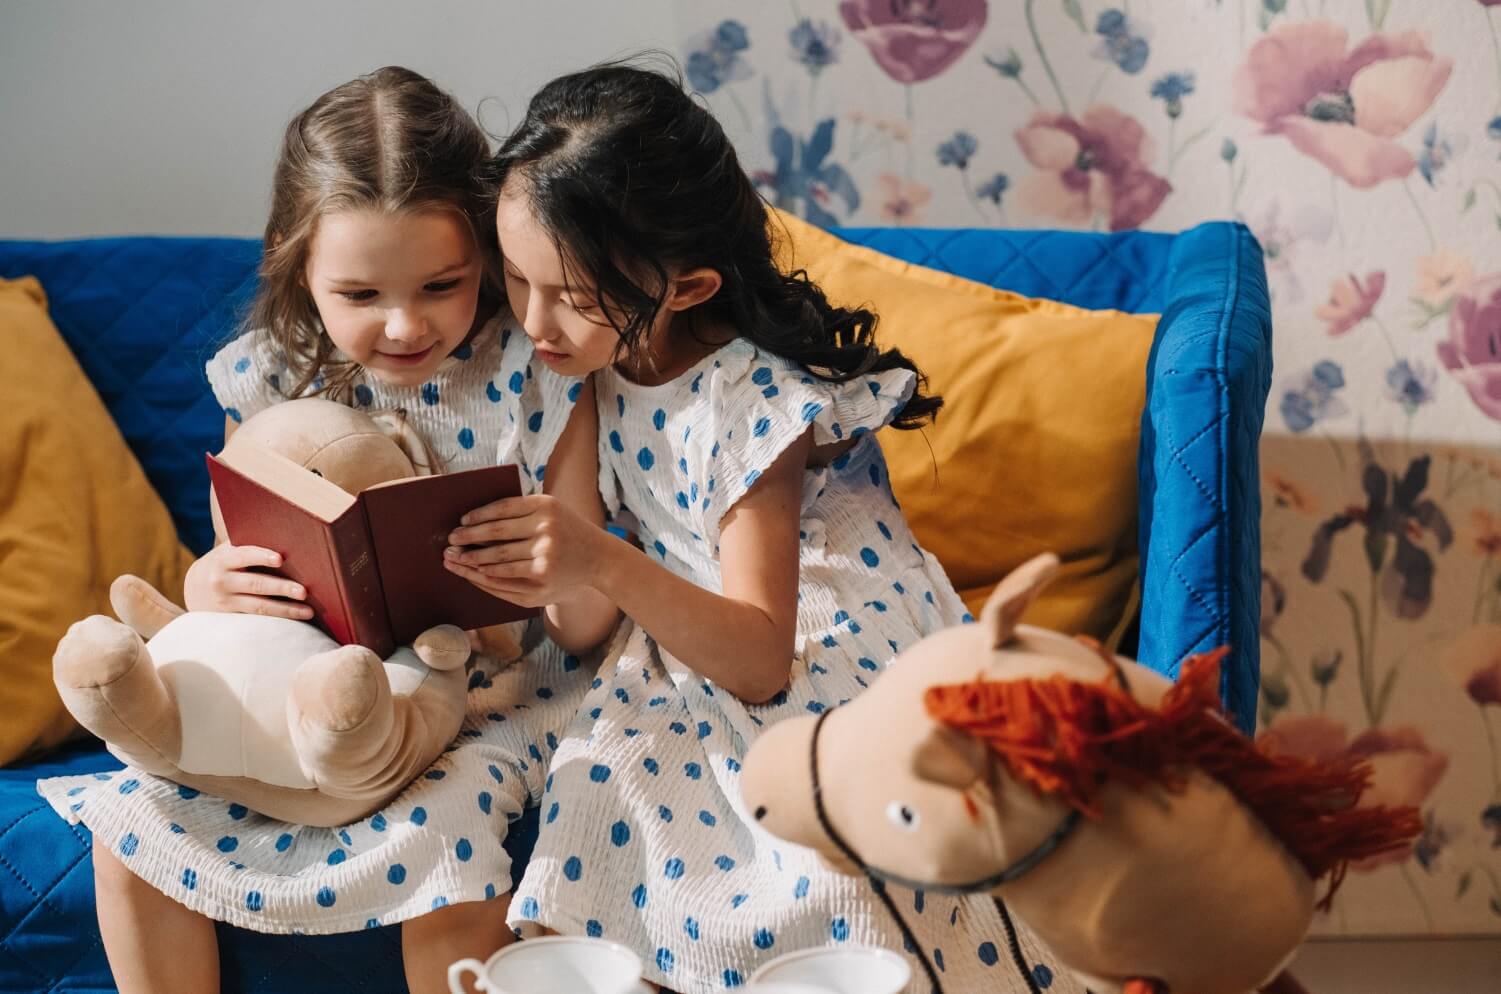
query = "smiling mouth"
{"x": 407, "y": 358}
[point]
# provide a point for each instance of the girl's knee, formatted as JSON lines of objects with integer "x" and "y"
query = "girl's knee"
{"x": 110, "y": 873}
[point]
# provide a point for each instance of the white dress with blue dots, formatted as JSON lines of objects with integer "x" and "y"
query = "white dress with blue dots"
{"x": 440, "y": 840}
{"x": 644, "y": 839}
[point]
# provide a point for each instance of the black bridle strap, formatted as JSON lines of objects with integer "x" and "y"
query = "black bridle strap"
{"x": 875, "y": 883}
{"x": 879, "y": 879}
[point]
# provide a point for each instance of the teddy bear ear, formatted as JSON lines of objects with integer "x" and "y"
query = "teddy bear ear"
{"x": 394, "y": 425}
{"x": 1013, "y": 595}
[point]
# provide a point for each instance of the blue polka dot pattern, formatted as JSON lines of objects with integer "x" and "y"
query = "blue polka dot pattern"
{"x": 1043, "y": 975}
{"x": 326, "y": 897}
{"x": 620, "y": 834}
{"x": 732, "y": 978}
{"x": 638, "y": 896}
{"x": 664, "y": 960}
{"x": 673, "y": 869}
{"x": 430, "y": 394}
{"x": 284, "y": 842}
{"x": 573, "y": 868}
{"x": 645, "y": 459}
{"x": 988, "y": 954}
{"x": 599, "y": 773}
{"x": 839, "y": 930}
{"x": 336, "y": 857}
{"x": 593, "y": 929}
{"x": 396, "y": 874}
{"x": 529, "y": 908}
{"x": 228, "y": 844}
{"x": 254, "y": 901}
{"x": 186, "y": 793}
{"x": 466, "y": 438}
{"x": 190, "y": 879}
{"x": 464, "y": 850}
{"x": 129, "y": 844}
{"x": 764, "y": 939}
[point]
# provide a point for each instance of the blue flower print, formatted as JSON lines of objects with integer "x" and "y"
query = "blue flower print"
{"x": 716, "y": 60}
{"x": 1171, "y": 89}
{"x": 958, "y": 150}
{"x": 1410, "y": 384}
{"x": 1313, "y": 399}
{"x": 816, "y": 46}
{"x": 804, "y": 179}
{"x": 994, "y": 188}
{"x": 1123, "y": 41}
{"x": 1438, "y": 150}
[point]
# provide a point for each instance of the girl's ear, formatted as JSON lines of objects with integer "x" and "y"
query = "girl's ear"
{"x": 692, "y": 287}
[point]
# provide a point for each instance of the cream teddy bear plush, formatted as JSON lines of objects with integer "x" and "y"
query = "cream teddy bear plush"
{"x": 272, "y": 713}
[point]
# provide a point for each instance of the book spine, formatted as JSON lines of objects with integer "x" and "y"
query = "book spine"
{"x": 359, "y": 584}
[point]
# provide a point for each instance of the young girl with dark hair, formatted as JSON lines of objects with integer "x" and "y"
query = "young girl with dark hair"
{"x": 775, "y": 574}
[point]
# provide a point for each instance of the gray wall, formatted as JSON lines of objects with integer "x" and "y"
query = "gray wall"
{"x": 162, "y": 117}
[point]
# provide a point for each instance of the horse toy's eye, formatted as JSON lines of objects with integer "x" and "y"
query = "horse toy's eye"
{"x": 902, "y": 816}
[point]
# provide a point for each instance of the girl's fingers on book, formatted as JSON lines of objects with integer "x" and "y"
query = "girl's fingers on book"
{"x": 270, "y": 607}
{"x": 261, "y": 585}
{"x": 509, "y": 507}
{"x": 243, "y": 556}
{"x": 516, "y": 591}
{"x": 485, "y": 555}
{"x": 502, "y": 530}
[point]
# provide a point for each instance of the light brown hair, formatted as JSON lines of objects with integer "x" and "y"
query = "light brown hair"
{"x": 390, "y": 141}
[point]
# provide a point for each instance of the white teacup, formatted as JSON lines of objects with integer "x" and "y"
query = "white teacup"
{"x": 554, "y": 964}
{"x": 839, "y": 970}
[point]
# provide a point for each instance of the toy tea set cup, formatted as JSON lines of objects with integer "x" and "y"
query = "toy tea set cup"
{"x": 578, "y": 965}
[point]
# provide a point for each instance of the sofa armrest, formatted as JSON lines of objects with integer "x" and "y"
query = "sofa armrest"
{"x": 1208, "y": 376}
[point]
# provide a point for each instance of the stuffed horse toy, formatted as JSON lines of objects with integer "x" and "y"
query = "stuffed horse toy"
{"x": 1153, "y": 847}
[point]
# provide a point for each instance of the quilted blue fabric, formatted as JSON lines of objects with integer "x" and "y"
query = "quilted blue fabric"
{"x": 142, "y": 315}
{"x": 1199, "y": 511}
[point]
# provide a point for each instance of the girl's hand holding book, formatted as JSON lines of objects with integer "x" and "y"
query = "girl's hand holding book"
{"x": 229, "y": 578}
{"x": 533, "y": 550}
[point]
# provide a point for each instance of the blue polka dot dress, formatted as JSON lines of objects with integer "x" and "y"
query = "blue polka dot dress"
{"x": 440, "y": 841}
{"x": 644, "y": 839}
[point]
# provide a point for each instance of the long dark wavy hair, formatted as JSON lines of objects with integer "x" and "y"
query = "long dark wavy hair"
{"x": 630, "y": 176}
{"x": 390, "y": 141}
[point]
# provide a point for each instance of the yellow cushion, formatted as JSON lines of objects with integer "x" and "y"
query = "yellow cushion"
{"x": 1035, "y": 449}
{"x": 75, "y": 512}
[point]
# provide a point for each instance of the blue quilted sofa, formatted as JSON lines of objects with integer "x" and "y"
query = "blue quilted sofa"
{"x": 143, "y": 313}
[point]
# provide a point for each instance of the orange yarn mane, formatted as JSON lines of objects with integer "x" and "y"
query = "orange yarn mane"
{"x": 1067, "y": 739}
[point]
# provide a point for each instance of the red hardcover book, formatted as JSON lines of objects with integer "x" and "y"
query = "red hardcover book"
{"x": 372, "y": 562}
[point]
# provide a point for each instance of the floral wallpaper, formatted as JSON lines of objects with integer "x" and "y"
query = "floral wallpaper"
{"x": 1361, "y": 141}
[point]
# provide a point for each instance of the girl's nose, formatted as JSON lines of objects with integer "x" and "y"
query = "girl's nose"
{"x": 403, "y": 325}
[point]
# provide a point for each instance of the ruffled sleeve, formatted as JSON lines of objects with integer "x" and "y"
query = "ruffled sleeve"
{"x": 248, "y": 375}
{"x": 541, "y": 402}
{"x": 759, "y": 404}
